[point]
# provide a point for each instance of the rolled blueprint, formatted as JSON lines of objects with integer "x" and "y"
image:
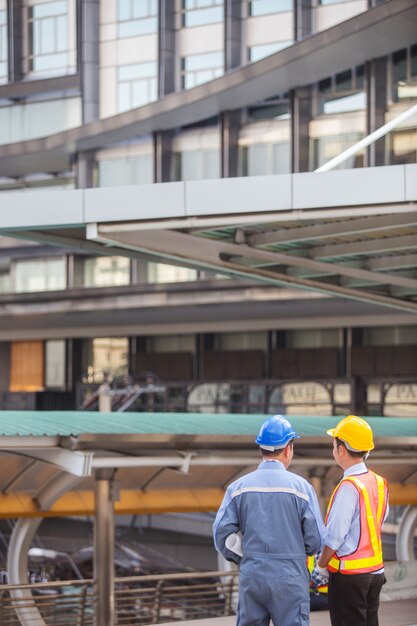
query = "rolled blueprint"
{"x": 234, "y": 543}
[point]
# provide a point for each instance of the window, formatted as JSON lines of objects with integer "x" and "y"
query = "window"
{"x": 55, "y": 364}
{"x": 197, "y": 164}
{"x": 343, "y": 92}
{"x": 40, "y": 275}
{"x": 325, "y": 148}
{"x": 106, "y": 271}
{"x": 403, "y": 146}
{"x": 200, "y": 68}
{"x": 5, "y": 283}
{"x": 137, "y": 17}
{"x": 265, "y": 159}
{"x": 161, "y": 273}
{"x": 20, "y": 122}
{"x": 264, "y": 7}
{"x": 104, "y": 358}
{"x": 339, "y": 118}
{"x": 199, "y": 12}
{"x": 129, "y": 171}
{"x": 264, "y": 142}
{"x": 26, "y": 366}
{"x": 137, "y": 85}
{"x": 255, "y": 53}
{"x": 404, "y": 74}
{"x": 3, "y": 42}
{"x": 52, "y": 37}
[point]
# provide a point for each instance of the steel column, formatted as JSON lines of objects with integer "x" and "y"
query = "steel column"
{"x": 104, "y": 547}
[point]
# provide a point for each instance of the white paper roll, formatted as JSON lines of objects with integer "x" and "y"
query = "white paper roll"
{"x": 234, "y": 543}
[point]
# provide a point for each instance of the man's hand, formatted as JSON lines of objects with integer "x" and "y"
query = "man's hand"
{"x": 319, "y": 577}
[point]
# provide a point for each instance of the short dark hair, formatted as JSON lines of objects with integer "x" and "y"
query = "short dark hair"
{"x": 271, "y": 453}
{"x": 353, "y": 453}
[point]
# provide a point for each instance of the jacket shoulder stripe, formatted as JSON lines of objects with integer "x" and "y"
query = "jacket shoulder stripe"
{"x": 294, "y": 492}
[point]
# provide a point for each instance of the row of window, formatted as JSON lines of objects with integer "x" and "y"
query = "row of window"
{"x": 50, "y": 274}
{"x": 35, "y": 365}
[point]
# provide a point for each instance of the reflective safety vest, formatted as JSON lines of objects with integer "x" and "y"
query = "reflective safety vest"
{"x": 373, "y": 499}
{"x": 311, "y": 561}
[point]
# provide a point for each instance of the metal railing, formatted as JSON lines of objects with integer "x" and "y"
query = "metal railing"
{"x": 139, "y": 600}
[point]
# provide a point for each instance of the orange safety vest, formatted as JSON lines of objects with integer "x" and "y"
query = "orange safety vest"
{"x": 311, "y": 561}
{"x": 373, "y": 499}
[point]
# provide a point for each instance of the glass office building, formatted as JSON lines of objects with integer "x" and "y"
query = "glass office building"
{"x": 105, "y": 71}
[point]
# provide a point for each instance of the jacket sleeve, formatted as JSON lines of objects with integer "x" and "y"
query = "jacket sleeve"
{"x": 226, "y": 523}
{"x": 312, "y": 524}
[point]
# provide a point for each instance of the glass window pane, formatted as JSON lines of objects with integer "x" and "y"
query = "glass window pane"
{"x": 203, "y": 61}
{"x": 210, "y": 164}
{"x": 203, "y": 16}
{"x": 42, "y": 275}
{"x": 138, "y": 27}
{"x": 139, "y": 93}
{"x": 263, "y": 7}
{"x": 61, "y": 33}
{"x": 112, "y": 173}
{"x": 106, "y": 271}
{"x": 124, "y": 9}
{"x": 109, "y": 357}
{"x": 260, "y": 52}
{"x": 189, "y": 166}
{"x": 55, "y": 363}
{"x": 46, "y": 9}
{"x": 281, "y": 158}
{"x": 140, "y": 8}
{"x": 124, "y": 103}
{"x": 55, "y": 274}
{"x": 354, "y": 102}
{"x": 141, "y": 170}
{"x": 257, "y": 160}
{"x": 47, "y": 36}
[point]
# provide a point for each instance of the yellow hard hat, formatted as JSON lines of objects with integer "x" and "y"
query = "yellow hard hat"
{"x": 355, "y": 432}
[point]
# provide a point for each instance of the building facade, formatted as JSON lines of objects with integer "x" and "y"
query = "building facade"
{"x": 135, "y": 92}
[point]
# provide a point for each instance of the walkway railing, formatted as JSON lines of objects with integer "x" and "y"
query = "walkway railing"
{"x": 139, "y": 600}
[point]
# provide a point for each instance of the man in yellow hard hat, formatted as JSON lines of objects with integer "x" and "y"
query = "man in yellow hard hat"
{"x": 352, "y": 553}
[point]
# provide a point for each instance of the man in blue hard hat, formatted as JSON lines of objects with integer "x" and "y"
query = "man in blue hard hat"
{"x": 278, "y": 516}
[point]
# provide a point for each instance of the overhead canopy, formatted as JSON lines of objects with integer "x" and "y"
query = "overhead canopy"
{"x": 348, "y": 234}
{"x": 169, "y": 461}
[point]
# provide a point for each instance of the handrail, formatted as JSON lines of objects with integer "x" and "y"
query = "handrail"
{"x": 139, "y": 600}
{"x": 366, "y": 141}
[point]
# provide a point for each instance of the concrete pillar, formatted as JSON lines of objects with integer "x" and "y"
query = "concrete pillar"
{"x": 376, "y": 73}
{"x": 230, "y": 122}
{"x": 167, "y": 47}
{"x": 15, "y": 44}
{"x": 303, "y": 19}
{"x": 84, "y": 170}
{"x": 104, "y": 547}
{"x": 168, "y": 81}
{"x": 233, "y": 22}
{"x": 300, "y": 103}
{"x": 88, "y": 30}
{"x": 163, "y": 156}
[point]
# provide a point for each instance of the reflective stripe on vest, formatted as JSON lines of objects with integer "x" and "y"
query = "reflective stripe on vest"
{"x": 368, "y": 554}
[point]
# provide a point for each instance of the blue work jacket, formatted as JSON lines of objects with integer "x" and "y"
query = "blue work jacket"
{"x": 277, "y": 513}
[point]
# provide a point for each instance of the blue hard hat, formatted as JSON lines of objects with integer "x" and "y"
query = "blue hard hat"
{"x": 275, "y": 433}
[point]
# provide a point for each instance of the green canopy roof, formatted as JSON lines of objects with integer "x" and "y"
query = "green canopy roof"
{"x": 75, "y": 423}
